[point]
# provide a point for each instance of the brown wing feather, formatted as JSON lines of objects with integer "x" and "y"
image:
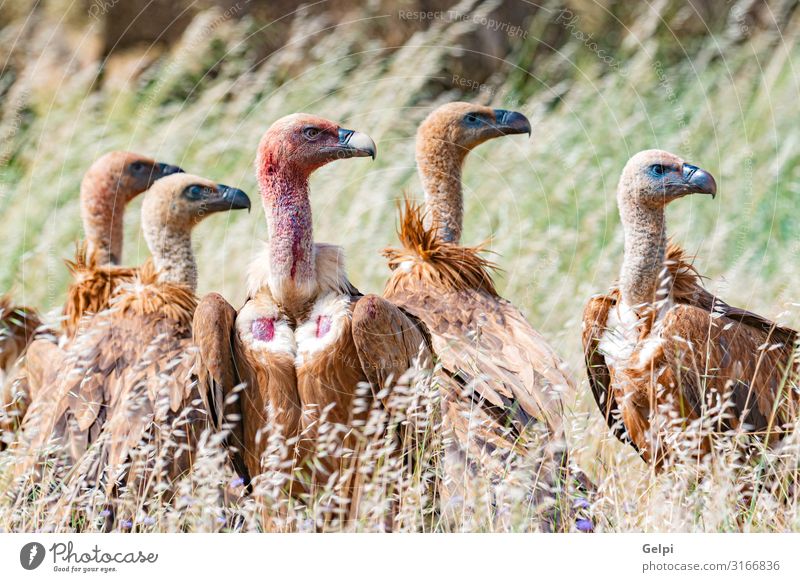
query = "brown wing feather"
{"x": 388, "y": 341}
{"x": 595, "y": 316}
{"x": 687, "y": 288}
{"x": 745, "y": 351}
{"x": 214, "y": 334}
{"x": 719, "y": 355}
{"x": 488, "y": 344}
{"x": 481, "y": 338}
{"x": 126, "y": 371}
{"x": 18, "y": 327}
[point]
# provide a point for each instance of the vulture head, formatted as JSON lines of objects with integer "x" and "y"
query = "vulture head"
{"x": 460, "y": 127}
{"x": 110, "y": 183}
{"x": 171, "y": 209}
{"x": 654, "y": 178}
{"x": 301, "y": 143}
{"x": 121, "y": 176}
{"x": 180, "y": 201}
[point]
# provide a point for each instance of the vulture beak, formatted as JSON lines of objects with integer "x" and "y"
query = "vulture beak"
{"x": 229, "y": 199}
{"x": 699, "y": 181}
{"x": 354, "y": 144}
{"x": 162, "y": 170}
{"x": 511, "y": 122}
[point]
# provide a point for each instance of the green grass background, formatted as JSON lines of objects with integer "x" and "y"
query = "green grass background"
{"x": 547, "y": 203}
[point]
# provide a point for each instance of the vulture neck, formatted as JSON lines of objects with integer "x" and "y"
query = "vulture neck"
{"x": 102, "y": 223}
{"x": 645, "y": 248}
{"x": 172, "y": 253}
{"x": 439, "y": 165}
{"x": 293, "y": 279}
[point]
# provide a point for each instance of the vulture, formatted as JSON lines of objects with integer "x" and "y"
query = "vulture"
{"x": 305, "y": 338}
{"x": 124, "y": 383}
{"x": 663, "y": 354}
{"x": 502, "y": 381}
{"x": 109, "y": 184}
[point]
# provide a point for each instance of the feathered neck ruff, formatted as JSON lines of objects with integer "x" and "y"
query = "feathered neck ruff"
{"x": 92, "y": 287}
{"x": 447, "y": 265}
{"x": 147, "y": 294}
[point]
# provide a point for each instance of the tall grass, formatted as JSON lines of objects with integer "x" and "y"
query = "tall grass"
{"x": 547, "y": 204}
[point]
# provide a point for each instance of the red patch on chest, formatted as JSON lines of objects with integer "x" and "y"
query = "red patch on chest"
{"x": 263, "y": 329}
{"x": 323, "y": 325}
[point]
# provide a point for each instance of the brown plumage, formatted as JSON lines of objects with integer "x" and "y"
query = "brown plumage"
{"x": 92, "y": 286}
{"x": 109, "y": 184}
{"x": 305, "y": 337}
{"x": 125, "y": 381}
{"x": 18, "y": 326}
{"x": 503, "y": 382}
{"x": 660, "y": 344}
{"x": 452, "y": 266}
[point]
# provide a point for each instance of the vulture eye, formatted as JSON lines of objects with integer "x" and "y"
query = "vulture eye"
{"x": 311, "y": 133}
{"x": 472, "y": 119}
{"x": 137, "y": 166}
{"x": 658, "y": 170}
{"x": 195, "y": 192}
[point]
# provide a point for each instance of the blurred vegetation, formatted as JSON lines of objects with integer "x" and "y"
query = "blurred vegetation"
{"x": 196, "y": 83}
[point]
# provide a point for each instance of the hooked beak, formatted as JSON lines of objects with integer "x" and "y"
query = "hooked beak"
{"x": 230, "y": 199}
{"x": 511, "y": 122}
{"x": 162, "y": 170}
{"x": 356, "y": 144}
{"x": 699, "y": 181}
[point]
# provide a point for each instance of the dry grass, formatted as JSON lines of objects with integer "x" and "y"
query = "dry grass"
{"x": 548, "y": 204}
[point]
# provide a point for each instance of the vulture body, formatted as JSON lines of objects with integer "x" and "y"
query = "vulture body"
{"x": 123, "y": 385}
{"x": 108, "y": 185}
{"x": 502, "y": 381}
{"x": 305, "y": 337}
{"x": 660, "y": 346}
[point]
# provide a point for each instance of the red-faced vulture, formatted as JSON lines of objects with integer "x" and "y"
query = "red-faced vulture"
{"x": 124, "y": 383}
{"x": 667, "y": 360}
{"x": 305, "y": 338}
{"x": 502, "y": 382}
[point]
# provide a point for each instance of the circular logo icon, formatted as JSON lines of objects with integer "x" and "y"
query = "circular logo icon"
{"x": 31, "y": 555}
